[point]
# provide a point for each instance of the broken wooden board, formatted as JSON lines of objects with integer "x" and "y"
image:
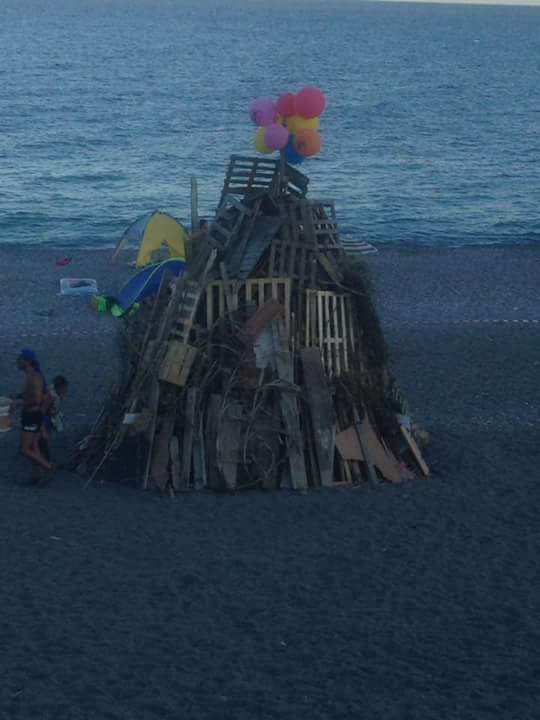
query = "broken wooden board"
{"x": 262, "y": 317}
{"x": 177, "y": 363}
{"x": 289, "y": 406}
{"x": 253, "y": 291}
{"x": 376, "y": 455}
{"x": 321, "y": 412}
{"x": 415, "y": 450}
{"x": 348, "y": 445}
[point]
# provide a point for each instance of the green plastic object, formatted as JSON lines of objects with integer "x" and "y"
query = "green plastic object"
{"x": 104, "y": 304}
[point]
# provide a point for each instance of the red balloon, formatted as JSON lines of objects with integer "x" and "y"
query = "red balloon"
{"x": 286, "y": 105}
{"x": 310, "y": 102}
{"x": 307, "y": 142}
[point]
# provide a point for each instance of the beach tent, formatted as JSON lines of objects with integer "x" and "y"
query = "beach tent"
{"x": 151, "y": 232}
{"x": 146, "y": 282}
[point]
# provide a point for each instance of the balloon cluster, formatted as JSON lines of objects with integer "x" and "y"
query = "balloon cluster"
{"x": 291, "y": 124}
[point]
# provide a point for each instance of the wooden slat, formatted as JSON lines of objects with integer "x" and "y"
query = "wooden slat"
{"x": 344, "y": 327}
{"x": 411, "y": 442}
{"x": 321, "y": 412}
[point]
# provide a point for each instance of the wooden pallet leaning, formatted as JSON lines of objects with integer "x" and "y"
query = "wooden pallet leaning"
{"x": 329, "y": 326}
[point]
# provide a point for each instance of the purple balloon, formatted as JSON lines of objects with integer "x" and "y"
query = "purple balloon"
{"x": 263, "y": 111}
{"x": 276, "y": 136}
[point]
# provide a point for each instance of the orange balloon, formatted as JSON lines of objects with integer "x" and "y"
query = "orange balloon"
{"x": 307, "y": 142}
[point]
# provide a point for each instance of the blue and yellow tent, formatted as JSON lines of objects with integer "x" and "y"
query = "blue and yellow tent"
{"x": 151, "y": 232}
{"x": 146, "y": 282}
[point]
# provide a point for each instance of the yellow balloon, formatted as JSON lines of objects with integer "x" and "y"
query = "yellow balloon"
{"x": 297, "y": 122}
{"x": 260, "y": 145}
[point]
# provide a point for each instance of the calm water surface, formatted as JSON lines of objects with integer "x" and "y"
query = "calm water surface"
{"x": 432, "y": 133}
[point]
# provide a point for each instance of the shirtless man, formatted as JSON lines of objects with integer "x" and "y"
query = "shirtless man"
{"x": 31, "y": 399}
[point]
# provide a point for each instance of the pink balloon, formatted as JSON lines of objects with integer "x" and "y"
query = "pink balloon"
{"x": 310, "y": 102}
{"x": 286, "y": 105}
{"x": 263, "y": 111}
{"x": 276, "y": 136}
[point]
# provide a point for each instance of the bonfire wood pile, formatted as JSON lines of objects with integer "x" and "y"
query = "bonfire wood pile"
{"x": 264, "y": 365}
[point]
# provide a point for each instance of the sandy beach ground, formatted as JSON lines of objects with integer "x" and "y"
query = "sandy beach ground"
{"x": 411, "y": 602}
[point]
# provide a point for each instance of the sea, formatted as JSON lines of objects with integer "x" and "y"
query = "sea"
{"x": 108, "y": 108}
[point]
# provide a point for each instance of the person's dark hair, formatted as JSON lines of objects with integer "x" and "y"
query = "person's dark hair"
{"x": 60, "y": 382}
{"x": 202, "y": 223}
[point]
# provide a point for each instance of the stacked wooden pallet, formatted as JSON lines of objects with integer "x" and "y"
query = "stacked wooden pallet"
{"x": 260, "y": 367}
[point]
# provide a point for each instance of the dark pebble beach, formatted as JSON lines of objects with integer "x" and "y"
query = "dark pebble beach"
{"x": 418, "y": 601}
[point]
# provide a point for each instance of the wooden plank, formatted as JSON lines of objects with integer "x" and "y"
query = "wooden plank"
{"x": 344, "y": 328}
{"x": 226, "y": 288}
{"x": 229, "y": 444}
{"x": 174, "y": 451}
{"x": 264, "y": 447}
{"x": 192, "y": 399}
{"x": 330, "y": 268}
{"x": 289, "y": 407}
{"x": 415, "y": 450}
{"x": 376, "y": 454}
{"x": 159, "y": 471}
{"x": 321, "y": 411}
{"x": 213, "y": 414}
{"x": 199, "y": 454}
{"x": 154, "y": 405}
{"x": 348, "y": 445}
{"x": 210, "y": 306}
{"x": 263, "y": 316}
{"x": 337, "y": 337}
{"x": 320, "y": 320}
